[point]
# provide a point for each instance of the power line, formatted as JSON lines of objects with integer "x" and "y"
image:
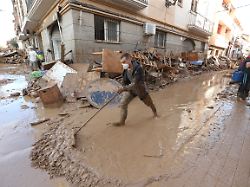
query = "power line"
{"x": 243, "y": 6}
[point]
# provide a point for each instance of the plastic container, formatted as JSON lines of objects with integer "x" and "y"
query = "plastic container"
{"x": 237, "y": 76}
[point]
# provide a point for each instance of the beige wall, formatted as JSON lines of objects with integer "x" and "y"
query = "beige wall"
{"x": 177, "y": 16}
{"x": 225, "y": 19}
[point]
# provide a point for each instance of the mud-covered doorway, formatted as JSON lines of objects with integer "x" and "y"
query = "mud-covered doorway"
{"x": 56, "y": 41}
{"x": 188, "y": 45}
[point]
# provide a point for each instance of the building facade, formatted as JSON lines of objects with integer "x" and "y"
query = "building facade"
{"x": 87, "y": 26}
{"x": 227, "y": 32}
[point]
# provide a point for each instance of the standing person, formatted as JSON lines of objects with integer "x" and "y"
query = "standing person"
{"x": 48, "y": 56}
{"x": 134, "y": 85}
{"x": 40, "y": 58}
{"x": 32, "y": 59}
{"x": 245, "y": 83}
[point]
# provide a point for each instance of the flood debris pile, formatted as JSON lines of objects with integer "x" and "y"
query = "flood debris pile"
{"x": 34, "y": 85}
{"x": 214, "y": 63}
{"x": 10, "y": 56}
{"x": 159, "y": 70}
{"x": 55, "y": 153}
{"x": 162, "y": 70}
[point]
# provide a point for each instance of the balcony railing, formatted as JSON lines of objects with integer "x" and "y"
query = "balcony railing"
{"x": 137, "y": 4}
{"x": 200, "y": 24}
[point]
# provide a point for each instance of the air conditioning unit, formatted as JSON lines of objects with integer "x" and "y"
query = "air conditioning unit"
{"x": 149, "y": 29}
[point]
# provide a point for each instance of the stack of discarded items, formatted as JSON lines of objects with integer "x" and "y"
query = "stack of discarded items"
{"x": 218, "y": 63}
{"x": 58, "y": 84}
{"x": 11, "y": 56}
{"x": 60, "y": 81}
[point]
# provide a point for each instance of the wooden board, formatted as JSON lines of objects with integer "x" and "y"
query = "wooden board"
{"x": 190, "y": 56}
{"x": 74, "y": 83}
{"x": 111, "y": 61}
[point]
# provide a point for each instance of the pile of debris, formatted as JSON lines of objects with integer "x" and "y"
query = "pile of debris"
{"x": 65, "y": 160}
{"x": 218, "y": 63}
{"x": 56, "y": 83}
{"x": 10, "y": 56}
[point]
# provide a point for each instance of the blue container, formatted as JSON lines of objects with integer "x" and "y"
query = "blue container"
{"x": 237, "y": 76}
{"x": 197, "y": 63}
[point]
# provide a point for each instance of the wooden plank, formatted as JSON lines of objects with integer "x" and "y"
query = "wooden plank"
{"x": 111, "y": 61}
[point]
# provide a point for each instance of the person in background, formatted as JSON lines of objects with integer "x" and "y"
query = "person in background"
{"x": 134, "y": 85}
{"x": 244, "y": 87}
{"x": 40, "y": 58}
{"x": 48, "y": 56}
{"x": 32, "y": 59}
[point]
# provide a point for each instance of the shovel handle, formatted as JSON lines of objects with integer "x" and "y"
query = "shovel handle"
{"x": 112, "y": 98}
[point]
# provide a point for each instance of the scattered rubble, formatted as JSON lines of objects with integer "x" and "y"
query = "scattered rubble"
{"x": 230, "y": 93}
{"x": 210, "y": 107}
{"x": 24, "y": 107}
{"x": 64, "y": 114}
{"x": 10, "y": 56}
{"x": 39, "y": 121}
{"x": 65, "y": 160}
{"x": 159, "y": 72}
{"x": 16, "y": 94}
{"x": 5, "y": 81}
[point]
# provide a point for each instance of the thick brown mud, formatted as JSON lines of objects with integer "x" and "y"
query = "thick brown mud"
{"x": 145, "y": 149}
{"x": 197, "y": 118}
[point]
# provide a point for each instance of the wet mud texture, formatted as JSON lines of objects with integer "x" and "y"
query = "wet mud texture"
{"x": 55, "y": 154}
{"x": 145, "y": 152}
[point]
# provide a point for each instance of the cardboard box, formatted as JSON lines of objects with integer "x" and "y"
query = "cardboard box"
{"x": 50, "y": 95}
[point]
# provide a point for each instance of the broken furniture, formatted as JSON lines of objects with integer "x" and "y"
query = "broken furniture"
{"x": 50, "y": 95}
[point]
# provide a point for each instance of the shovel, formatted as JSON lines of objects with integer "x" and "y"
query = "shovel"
{"x": 80, "y": 128}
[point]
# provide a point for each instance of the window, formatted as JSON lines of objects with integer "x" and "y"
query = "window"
{"x": 160, "y": 39}
{"x": 180, "y": 3}
{"x": 194, "y": 5}
{"x": 227, "y": 31}
{"x": 219, "y": 29}
{"x": 107, "y": 29}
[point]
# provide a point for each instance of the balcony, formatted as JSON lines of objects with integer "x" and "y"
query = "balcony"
{"x": 219, "y": 40}
{"x": 134, "y": 4}
{"x": 37, "y": 9}
{"x": 200, "y": 25}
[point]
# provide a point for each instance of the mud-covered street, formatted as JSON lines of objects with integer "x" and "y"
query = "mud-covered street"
{"x": 16, "y": 134}
{"x": 200, "y": 139}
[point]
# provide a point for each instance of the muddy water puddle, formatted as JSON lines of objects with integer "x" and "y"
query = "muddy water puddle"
{"x": 17, "y": 135}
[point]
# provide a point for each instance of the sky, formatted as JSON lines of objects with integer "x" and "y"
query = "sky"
{"x": 7, "y": 25}
{"x": 243, "y": 14}
{"x": 6, "y": 21}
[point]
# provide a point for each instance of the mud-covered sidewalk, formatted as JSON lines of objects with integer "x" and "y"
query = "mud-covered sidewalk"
{"x": 200, "y": 139}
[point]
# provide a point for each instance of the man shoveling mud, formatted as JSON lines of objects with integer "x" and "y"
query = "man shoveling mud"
{"x": 134, "y": 85}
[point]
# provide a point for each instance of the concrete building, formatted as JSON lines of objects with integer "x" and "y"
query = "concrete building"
{"x": 87, "y": 26}
{"x": 227, "y": 31}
